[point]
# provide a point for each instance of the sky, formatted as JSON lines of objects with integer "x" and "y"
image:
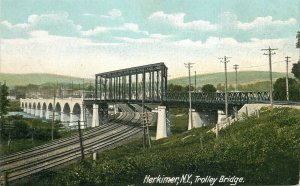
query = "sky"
{"x": 84, "y": 37}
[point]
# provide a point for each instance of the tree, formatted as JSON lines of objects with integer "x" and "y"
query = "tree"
{"x": 296, "y": 70}
{"x": 280, "y": 89}
{"x": 298, "y": 40}
{"x": 4, "y": 102}
{"x": 175, "y": 88}
{"x": 208, "y": 88}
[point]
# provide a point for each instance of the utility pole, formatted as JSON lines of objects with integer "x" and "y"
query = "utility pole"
{"x": 143, "y": 109}
{"x": 72, "y": 89}
{"x": 53, "y": 114}
{"x": 1, "y": 127}
{"x": 83, "y": 88}
{"x": 270, "y": 70}
{"x": 80, "y": 140}
{"x": 225, "y": 61}
{"x": 189, "y": 65}
{"x": 287, "y": 78}
{"x": 195, "y": 80}
{"x": 235, "y": 67}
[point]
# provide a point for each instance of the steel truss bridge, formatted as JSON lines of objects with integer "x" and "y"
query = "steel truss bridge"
{"x": 135, "y": 85}
{"x": 149, "y": 84}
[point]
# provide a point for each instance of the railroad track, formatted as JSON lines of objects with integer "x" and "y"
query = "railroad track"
{"x": 59, "y": 152}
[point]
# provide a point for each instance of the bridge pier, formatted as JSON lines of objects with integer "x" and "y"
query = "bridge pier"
{"x": 28, "y": 111}
{"x": 161, "y": 131}
{"x": 203, "y": 118}
{"x": 37, "y": 113}
{"x": 89, "y": 116}
{"x": 47, "y": 114}
{"x": 72, "y": 119}
{"x": 32, "y": 111}
{"x": 64, "y": 118}
{"x": 221, "y": 117}
{"x": 103, "y": 113}
{"x": 197, "y": 119}
{"x": 82, "y": 119}
{"x": 57, "y": 116}
{"x": 95, "y": 121}
{"x": 41, "y": 113}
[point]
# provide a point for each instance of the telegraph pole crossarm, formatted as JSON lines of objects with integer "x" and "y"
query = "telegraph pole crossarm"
{"x": 270, "y": 70}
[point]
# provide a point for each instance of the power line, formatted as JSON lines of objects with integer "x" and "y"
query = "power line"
{"x": 260, "y": 65}
{"x": 270, "y": 70}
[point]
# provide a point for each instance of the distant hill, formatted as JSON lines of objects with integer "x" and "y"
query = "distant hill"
{"x": 38, "y": 79}
{"x": 244, "y": 77}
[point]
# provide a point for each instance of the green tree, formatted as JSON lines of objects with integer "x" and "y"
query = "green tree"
{"x": 175, "y": 88}
{"x": 208, "y": 88}
{"x": 4, "y": 102}
{"x": 280, "y": 89}
{"x": 186, "y": 88}
{"x": 296, "y": 70}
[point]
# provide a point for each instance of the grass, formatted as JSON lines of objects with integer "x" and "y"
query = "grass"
{"x": 262, "y": 150}
{"x": 19, "y": 145}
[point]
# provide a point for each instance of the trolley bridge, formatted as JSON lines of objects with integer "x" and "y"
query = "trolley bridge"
{"x": 149, "y": 84}
{"x": 126, "y": 90}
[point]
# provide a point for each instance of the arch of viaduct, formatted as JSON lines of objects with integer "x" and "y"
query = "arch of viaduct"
{"x": 67, "y": 110}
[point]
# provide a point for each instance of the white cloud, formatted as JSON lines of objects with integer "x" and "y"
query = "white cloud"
{"x": 113, "y": 14}
{"x": 160, "y": 36}
{"x": 131, "y": 26}
{"x": 177, "y": 20}
{"x": 9, "y": 30}
{"x": 265, "y": 21}
{"x": 95, "y": 31}
{"x": 55, "y": 54}
{"x": 125, "y": 27}
{"x": 16, "y": 26}
{"x": 135, "y": 40}
{"x": 56, "y": 24}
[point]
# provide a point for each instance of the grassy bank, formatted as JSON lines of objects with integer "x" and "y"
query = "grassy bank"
{"x": 262, "y": 150}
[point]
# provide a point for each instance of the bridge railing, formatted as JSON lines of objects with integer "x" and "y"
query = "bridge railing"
{"x": 219, "y": 97}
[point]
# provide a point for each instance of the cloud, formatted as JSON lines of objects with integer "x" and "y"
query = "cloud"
{"x": 55, "y": 24}
{"x": 46, "y": 53}
{"x": 132, "y": 27}
{"x": 265, "y": 22}
{"x": 95, "y": 31}
{"x": 113, "y": 14}
{"x": 177, "y": 20}
{"x": 9, "y": 30}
